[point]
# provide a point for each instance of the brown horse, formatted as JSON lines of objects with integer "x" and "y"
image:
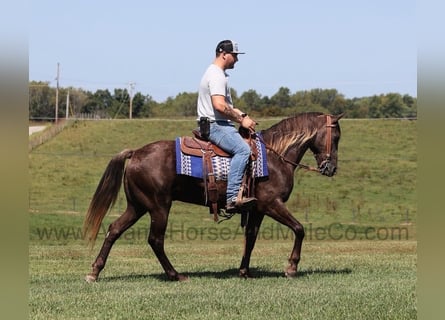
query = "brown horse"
{"x": 151, "y": 184}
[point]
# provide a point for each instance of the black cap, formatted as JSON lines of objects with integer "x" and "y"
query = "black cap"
{"x": 228, "y": 46}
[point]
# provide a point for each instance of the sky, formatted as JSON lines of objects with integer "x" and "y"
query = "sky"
{"x": 360, "y": 48}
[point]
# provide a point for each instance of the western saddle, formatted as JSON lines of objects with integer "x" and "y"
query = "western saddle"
{"x": 199, "y": 147}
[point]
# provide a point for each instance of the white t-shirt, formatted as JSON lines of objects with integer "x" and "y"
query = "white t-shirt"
{"x": 213, "y": 82}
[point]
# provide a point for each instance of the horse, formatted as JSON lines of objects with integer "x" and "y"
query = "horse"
{"x": 151, "y": 185}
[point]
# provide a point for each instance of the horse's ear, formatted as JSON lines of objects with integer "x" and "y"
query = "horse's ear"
{"x": 337, "y": 117}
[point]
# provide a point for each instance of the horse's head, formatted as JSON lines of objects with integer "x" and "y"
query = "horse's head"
{"x": 325, "y": 144}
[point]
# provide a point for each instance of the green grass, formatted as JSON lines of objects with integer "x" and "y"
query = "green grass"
{"x": 342, "y": 280}
{"x": 358, "y": 259}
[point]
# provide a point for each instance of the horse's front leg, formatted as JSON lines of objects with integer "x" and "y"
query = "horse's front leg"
{"x": 295, "y": 256}
{"x": 280, "y": 213}
{"x": 250, "y": 236}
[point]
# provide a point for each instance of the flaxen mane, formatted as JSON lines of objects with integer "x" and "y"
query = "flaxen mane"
{"x": 292, "y": 133}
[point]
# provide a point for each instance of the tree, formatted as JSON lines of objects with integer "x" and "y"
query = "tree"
{"x": 149, "y": 106}
{"x": 41, "y": 100}
{"x": 121, "y": 104}
{"x": 185, "y": 104}
{"x": 393, "y": 106}
{"x": 305, "y": 101}
{"x": 411, "y": 106}
{"x": 252, "y": 100}
{"x": 78, "y": 98}
{"x": 99, "y": 103}
{"x": 104, "y": 104}
{"x": 138, "y": 105}
{"x": 282, "y": 98}
{"x": 302, "y": 101}
{"x": 375, "y": 103}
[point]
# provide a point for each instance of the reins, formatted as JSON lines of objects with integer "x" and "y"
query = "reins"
{"x": 304, "y": 166}
{"x": 329, "y": 127}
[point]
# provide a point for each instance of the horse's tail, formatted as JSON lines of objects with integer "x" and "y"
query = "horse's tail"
{"x": 105, "y": 195}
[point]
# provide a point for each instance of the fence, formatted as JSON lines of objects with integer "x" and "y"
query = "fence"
{"x": 47, "y": 134}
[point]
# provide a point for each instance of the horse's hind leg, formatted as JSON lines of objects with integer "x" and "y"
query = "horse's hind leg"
{"x": 115, "y": 230}
{"x": 251, "y": 233}
{"x": 158, "y": 226}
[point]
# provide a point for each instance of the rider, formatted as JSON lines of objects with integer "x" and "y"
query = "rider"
{"x": 215, "y": 103}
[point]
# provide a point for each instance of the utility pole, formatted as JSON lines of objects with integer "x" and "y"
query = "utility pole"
{"x": 57, "y": 95}
{"x": 130, "y": 92}
{"x": 67, "y": 104}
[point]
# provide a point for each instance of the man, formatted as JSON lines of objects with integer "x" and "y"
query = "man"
{"x": 215, "y": 103}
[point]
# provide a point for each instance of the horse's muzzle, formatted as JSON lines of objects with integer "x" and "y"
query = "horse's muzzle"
{"x": 327, "y": 168}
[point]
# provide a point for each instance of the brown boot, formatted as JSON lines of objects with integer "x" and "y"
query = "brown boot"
{"x": 242, "y": 205}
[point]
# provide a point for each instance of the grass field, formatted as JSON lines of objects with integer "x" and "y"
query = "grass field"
{"x": 358, "y": 259}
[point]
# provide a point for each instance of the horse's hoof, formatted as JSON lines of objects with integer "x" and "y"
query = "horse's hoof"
{"x": 182, "y": 278}
{"x": 245, "y": 274}
{"x": 90, "y": 278}
{"x": 177, "y": 277}
{"x": 290, "y": 274}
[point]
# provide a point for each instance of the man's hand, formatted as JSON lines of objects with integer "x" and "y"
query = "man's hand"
{"x": 248, "y": 123}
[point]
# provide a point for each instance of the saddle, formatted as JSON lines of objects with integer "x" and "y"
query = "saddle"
{"x": 196, "y": 146}
{"x": 200, "y": 147}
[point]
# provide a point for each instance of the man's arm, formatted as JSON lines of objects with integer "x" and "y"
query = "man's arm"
{"x": 220, "y": 104}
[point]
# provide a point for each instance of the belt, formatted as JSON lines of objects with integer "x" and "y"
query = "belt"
{"x": 220, "y": 121}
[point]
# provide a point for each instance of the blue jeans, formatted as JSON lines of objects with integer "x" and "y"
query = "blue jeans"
{"x": 226, "y": 136}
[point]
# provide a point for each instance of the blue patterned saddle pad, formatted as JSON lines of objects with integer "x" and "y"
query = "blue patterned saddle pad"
{"x": 192, "y": 165}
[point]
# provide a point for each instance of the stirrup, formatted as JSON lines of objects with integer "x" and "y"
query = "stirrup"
{"x": 225, "y": 215}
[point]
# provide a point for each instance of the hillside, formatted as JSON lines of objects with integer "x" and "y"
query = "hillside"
{"x": 375, "y": 184}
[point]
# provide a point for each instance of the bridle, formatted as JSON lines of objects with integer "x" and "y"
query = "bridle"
{"x": 325, "y": 163}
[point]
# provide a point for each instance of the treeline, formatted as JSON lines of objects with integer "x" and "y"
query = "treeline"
{"x": 104, "y": 104}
